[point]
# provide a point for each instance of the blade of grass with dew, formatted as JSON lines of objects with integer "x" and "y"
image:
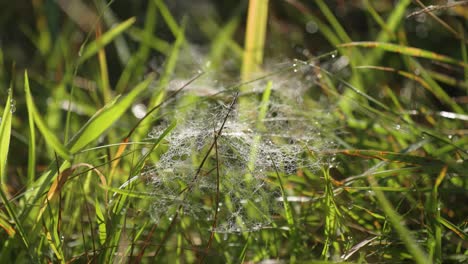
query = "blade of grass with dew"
{"x": 404, "y": 50}
{"x": 105, "y": 117}
{"x": 32, "y": 141}
{"x": 48, "y": 135}
{"x": 93, "y": 47}
{"x": 5, "y": 135}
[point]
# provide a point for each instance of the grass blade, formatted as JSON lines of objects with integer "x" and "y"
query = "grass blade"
{"x": 410, "y": 51}
{"x": 93, "y": 47}
{"x": 5, "y": 134}
{"x": 48, "y": 135}
{"x": 254, "y": 37}
{"x": 105, "y": 117}
{"x": 32, "y": 141}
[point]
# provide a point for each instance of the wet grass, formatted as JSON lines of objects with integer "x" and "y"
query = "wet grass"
{"x": 121, "y": 140}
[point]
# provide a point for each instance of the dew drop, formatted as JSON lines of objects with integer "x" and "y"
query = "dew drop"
{"x": 12, "y": 108}
{"x": 397, "y": 127}
{"x": 311, "y": 27}
{"x": 139, "y": 110}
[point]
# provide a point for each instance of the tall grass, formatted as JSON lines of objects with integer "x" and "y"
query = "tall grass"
{"x": 120, "y": 143}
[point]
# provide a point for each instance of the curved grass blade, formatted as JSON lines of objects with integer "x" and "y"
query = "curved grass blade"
{"x": 461, "y": 233}
{"x": 410, "y": 51}
{"x": 105, "y": 117}
{"x": 32, "y": 142}
{"x": 93, "y": 47}
{"x": 5, "y": 135}
{"x": 49, "y": 137}
{"x": 6, "y": 226}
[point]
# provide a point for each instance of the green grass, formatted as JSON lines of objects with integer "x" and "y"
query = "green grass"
{"x": 123, "y": 141}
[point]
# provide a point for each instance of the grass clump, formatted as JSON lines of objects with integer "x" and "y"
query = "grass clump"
{"x": 156, "y": 132}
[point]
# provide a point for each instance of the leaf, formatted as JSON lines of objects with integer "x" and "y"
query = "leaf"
{"x": 5, "y": 134}
{"x": 93, "y": 47}
{"x": 49, "y": 137}
{"x": 105, "y": 117}
{"x": 101, "y": 222}
{"x": 6, "y": 226}
{"x": 410, "y": 51}
{"x": 32, "y": 140}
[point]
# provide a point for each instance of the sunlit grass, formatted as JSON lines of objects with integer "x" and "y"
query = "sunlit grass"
{"x": 353, "y": 152}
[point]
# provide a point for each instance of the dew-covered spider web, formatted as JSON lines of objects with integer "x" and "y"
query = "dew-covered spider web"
{"x": 239, "y": 176}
